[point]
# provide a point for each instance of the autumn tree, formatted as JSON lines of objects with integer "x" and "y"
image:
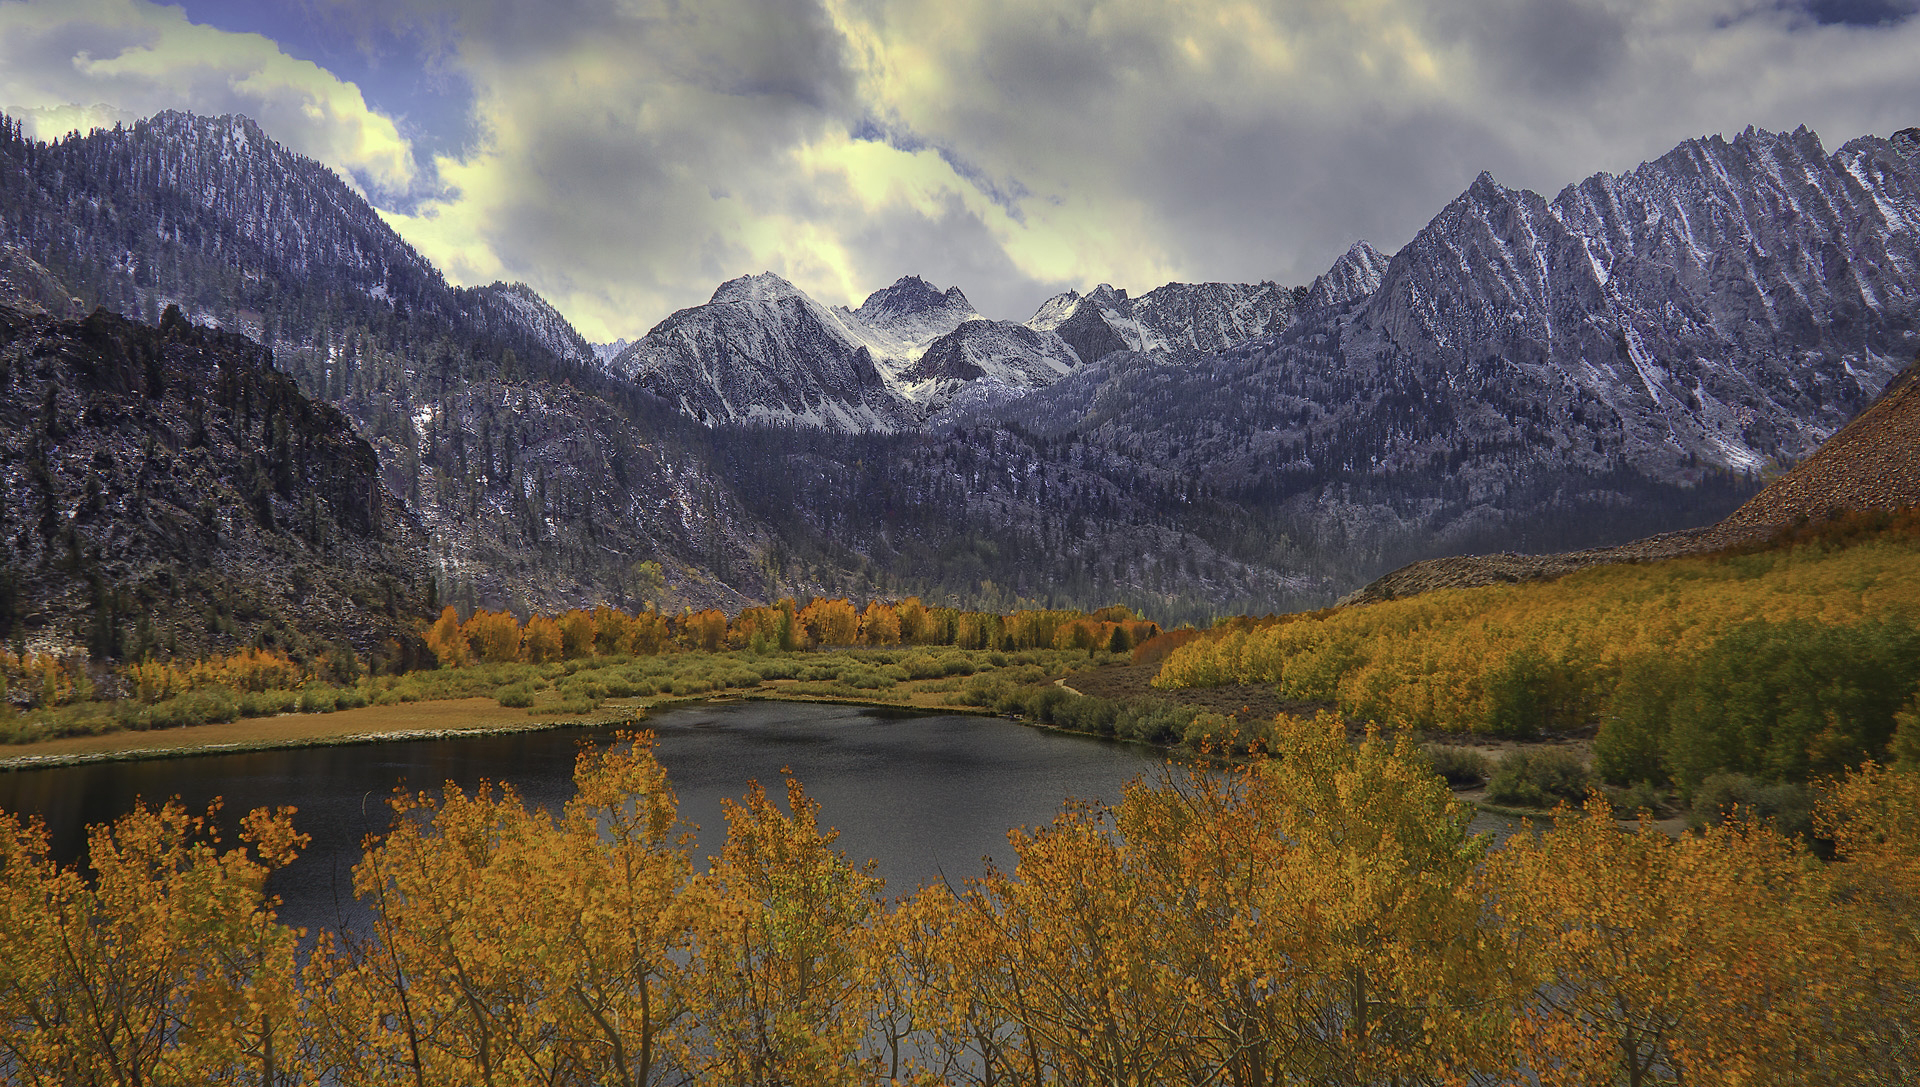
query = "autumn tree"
{"x": 705, "y": 630}
{"x": 542, "y": 640}
{"x": 577, "y": 634}
{"x": 780, "y": 985}
{"x": 880, "y": 624}
{"x": 448, "y": 641}
{"x": 166, "y": 965}
{"x": 613, "y": 632}
{"x": 494, "y": 636}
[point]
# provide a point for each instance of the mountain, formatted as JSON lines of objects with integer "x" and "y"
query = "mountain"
{"x": 1524, "y": 374}
{"x": 212, "y": 214}
{"x": 897, "y": 324}
{"x": 1872, "y": 463}
{"x": 1536, "y": 374}
{"x": 1202, "y": 318}
{"x": 1353, "y": 278}
{"x": 166, "y": 489}
{"x": 761, "y": 350}
{"x": 983, "y": 362}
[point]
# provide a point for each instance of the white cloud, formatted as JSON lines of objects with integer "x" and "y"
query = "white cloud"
{"x": 76, "y": 64}
{"x": 633, "y": 153}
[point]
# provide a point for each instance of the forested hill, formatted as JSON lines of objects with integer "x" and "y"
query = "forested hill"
{"x": 164, "y": 490}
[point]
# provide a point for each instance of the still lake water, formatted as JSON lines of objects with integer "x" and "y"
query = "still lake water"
{"x": 927, "y": 798}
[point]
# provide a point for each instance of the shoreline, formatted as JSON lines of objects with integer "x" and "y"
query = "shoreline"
{"x": 437, "y": 719}
{"x": 474, "y": 716}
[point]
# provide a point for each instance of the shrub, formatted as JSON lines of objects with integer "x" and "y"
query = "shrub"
{"x": 1638, "y": 797}
{"x": 268, "y": 703}
{"x": 1631, "y": 744}
{"x": 1786, "y": 806}
{"x": 1460, "y": 766}
{"x": 515, "y": 695}
{"x": 1538, "y": 778}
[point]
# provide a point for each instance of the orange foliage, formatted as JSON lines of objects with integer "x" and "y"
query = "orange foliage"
{"x": 493, "y": 636}
{"x": 880, "y": 624}
{"x": 705, "y": 630}
{"x": 448, "y": 641}
{"x": 542, "y": 640}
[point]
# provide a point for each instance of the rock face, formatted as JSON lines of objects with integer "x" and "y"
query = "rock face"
{"x": 212, "y": 214}
{"x": 762, "y": 351}
{"x": 897, "y": 324}
{"x": 982, "y": 361}
{"x": 1873, "y": 463}
{"x": 167, "y": 490}
{"x": 1353, "y": 278}
{"x": 1732, "y": 302}
{"x": 1207, "y": 318}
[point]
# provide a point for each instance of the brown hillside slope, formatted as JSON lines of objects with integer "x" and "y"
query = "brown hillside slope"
{"x": 1871, "y": 463}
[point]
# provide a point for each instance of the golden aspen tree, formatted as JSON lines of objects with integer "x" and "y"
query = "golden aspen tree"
{"x": 542, "y": 640}
{"x": 577, "y": 634}
{"x": 1640, "y": 959}
{"x": 167, "y": 966}
{"x": 880, "y": 624}
{"x": 1072, "y": 960}
{"x": 493, "y": 636}
{"x": 650, "y": 634}
{"x": 613, "y": 632}
{"x": 914, "y": 621}
{"x": 448, "y": 641}
{"x": 510, "y": 947}
{"x": 779, "y": 985}
{"x": 706, "y": 630}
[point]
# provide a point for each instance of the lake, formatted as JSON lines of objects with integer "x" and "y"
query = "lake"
{"x": 926, "y": 797}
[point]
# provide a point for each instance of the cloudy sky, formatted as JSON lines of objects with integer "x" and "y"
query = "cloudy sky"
{"x": 625, "y": 156}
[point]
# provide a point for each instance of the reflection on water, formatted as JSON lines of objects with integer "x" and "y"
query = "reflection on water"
{"x": 925, "y": 797}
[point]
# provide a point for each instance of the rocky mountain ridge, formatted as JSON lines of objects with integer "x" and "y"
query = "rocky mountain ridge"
{"x": 165, "y": 489}
{"x": 1872, "y": 463}
{"x": 1525, "y": 374}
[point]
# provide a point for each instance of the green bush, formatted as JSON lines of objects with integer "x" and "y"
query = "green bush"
{"x": 1636, "y": 798}
{"x": 1153, "y": 722}
{"x": 1532, "y": 693}
{"x": 1460, "y": 766}
{"x": 1538, "y": 778}
{"x": 1787, "y": 806}
{"x": 1631, "y": 744}
{"x": 516, "y": 695}
{"x": 864, "y": 680}
{"x": 1787, "y": 702}
{"x": 777, "y": 668}
{"x": 268, "y": 703}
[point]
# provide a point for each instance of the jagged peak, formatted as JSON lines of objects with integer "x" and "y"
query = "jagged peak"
{"x": 1053, "y": 311}
{"x": 1357, "y": 274}
{"x": 909, "y": 295}
{"x": 754, "y": 288}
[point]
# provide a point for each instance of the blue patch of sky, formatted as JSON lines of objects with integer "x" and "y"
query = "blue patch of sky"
{"x": 1007, "y": 194}
{"x": 1866, "y": 13}
{"x": 430, "y": 103}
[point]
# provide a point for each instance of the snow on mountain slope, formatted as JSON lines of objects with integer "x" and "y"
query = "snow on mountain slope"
{"x": 987, "y": 361}
{"x": 1210, "y": 317}
{"x": 762, "y": 351}
{"x": 519, "y": 306}
{"x": 1731, "y": 302}
{"x": 898, "y": 323}
{"x": 1355, "y": 276}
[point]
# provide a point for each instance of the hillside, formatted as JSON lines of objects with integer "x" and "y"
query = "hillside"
{"x": 1872, "y": 463}
{"x": 165, "y": 489}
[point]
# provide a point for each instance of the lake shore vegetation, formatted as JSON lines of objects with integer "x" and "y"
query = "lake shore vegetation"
{"x": 1320, "y": 915}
